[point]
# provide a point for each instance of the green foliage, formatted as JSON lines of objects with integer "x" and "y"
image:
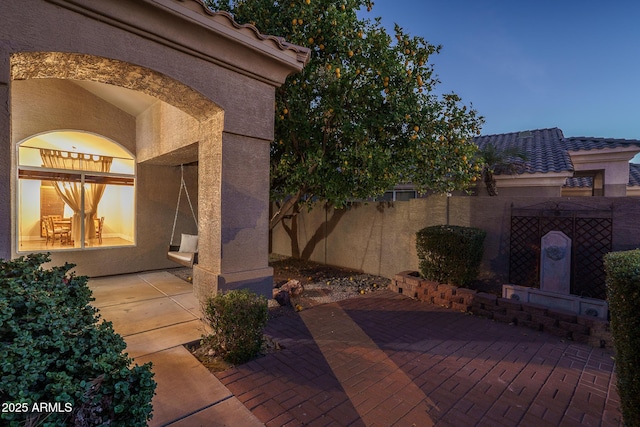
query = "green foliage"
{"x": 237, "y": 320}
{"x": 449, "y": 253}
{"x": 623, "y": 295}
{"x": 493, "y": 160}
{"x": 362, "y": 116}
{"x": 54, "y": 349}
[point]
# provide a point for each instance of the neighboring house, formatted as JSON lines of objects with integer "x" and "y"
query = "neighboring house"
{"x": 575, "y": 166}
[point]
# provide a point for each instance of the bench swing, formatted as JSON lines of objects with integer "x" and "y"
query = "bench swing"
{"x": 187, "y": 253}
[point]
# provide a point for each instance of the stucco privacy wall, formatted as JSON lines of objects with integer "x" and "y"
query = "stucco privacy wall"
{"x": 221, "y": 74}
{"x": 380, "y": 238}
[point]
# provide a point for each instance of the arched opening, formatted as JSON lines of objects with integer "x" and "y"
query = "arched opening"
{"x": 171, "y": 125}
{"x": 76, "y": 190}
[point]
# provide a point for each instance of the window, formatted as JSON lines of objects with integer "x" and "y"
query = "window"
{"x": 398, "y": 195}
{"x": 76, "y": 190}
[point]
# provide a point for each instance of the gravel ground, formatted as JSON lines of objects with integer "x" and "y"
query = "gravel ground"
{"x": 322, "y": 284}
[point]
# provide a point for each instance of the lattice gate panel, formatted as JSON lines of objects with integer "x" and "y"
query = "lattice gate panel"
{"x": 525, "y": 250}
{"x": 592, "y": 242}
{"x": 591, "y": 237}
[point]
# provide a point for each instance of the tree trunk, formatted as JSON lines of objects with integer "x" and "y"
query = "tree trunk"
{"x": 292, "y": 232}
{"x": 287, "y": 206}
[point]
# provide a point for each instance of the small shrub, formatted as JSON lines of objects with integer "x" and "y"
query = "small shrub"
{"x": 623, "y": 294}
{"x": 449, "y": 253}
{"x": 237, "y": 319}
{"x": 53, "y": 350}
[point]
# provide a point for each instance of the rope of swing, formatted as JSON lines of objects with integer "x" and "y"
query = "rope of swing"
{"x": 183, "y": 185}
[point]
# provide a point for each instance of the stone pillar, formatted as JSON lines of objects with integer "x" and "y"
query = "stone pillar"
{"x": 5, "y": 152}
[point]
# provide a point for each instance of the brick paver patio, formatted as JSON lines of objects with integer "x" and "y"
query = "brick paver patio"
{"x": 384, "y": 359}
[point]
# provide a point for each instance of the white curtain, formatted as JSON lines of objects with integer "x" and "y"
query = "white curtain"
{"x": 71, "y": 191}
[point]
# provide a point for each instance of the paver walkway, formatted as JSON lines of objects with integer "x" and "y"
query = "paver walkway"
{"x": 384, "y": 359}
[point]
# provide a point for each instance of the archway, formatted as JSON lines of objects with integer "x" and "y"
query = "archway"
{"x": 182, "y": 126}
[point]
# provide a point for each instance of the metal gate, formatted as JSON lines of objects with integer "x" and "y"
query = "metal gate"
{"x": 590, "y": 231}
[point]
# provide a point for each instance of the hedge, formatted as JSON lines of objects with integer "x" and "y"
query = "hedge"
{"x": 623, "y": 295}
{"x": 55, "y": 351}
{"x": 450, "y": 254}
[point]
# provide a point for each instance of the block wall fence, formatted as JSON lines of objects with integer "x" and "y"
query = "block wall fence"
{"x": 379, "y": 238}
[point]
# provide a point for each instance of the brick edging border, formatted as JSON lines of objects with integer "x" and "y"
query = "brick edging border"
{"x": 564, "y": 324}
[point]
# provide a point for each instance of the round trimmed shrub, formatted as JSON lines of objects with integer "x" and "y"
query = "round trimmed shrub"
{"x": 237, "y": 320}
{"x": 449, "y": 253}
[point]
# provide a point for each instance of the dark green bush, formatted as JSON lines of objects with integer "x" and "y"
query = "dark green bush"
{"x": 450, "y": 253}
{"x": 53, "y": 349}
{"x": 623, "y": 294}
{"x": 237, "y": 320}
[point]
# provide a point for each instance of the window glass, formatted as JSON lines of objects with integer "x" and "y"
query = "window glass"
{"x": 75, "y": 191}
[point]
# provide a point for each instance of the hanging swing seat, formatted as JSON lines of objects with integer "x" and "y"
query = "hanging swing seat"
{"x": 187, "y": 253}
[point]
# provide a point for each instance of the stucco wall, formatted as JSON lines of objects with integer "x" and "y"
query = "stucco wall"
{"x": 43, "y": 105}
{"x": 380, "y": 238}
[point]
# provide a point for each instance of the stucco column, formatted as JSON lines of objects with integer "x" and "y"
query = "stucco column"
{"x": 245, "y": 214}
{"x": 241, "y": 199}
{"x": 5, "y": 152}
{"x": 206, "y": 272}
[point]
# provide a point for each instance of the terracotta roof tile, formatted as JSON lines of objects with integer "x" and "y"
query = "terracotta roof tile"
{"x": 303, "y": 54}
{"x": 546, "y": 149}
{"x": 582, "y": 143}
{"x": 579, "y": 182}
{"x": 634, "y": 175}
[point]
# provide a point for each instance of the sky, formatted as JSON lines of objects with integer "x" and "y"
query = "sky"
{"x": 524, "y": 65}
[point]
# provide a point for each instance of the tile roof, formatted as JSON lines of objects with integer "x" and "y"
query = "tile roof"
{"x": 543, "y": 147}
{"x": 634, "y": 175}
{"x": 582, "y": 143}
{"x": 546, "y": 149}
{"x": 579, "y": 182}
{"x": 303, "y": 54}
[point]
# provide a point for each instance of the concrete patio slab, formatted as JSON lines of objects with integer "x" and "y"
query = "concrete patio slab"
{"x": 156, "y": 340}
{"x": 166, "y": 283}
{"x": 228, "y": 413}
{"x": 184, "y": 385}
{"x": 121, "y": 289}
{"x": 157, "y": 313}
{"x": 135, "y": 317}
{"x": 189, "y": 302}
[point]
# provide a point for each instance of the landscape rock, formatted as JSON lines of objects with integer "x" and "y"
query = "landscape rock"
{"x": 294, "y": 287}
{"x": 282, "y": 297}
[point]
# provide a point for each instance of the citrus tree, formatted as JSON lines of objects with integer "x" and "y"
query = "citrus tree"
{"x": 362, "y": 116}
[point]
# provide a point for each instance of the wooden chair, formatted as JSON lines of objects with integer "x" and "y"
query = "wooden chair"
{"x": 61, "y": 232}
{"x": 99, "y": 226}
{"x": 48, "y": 230}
